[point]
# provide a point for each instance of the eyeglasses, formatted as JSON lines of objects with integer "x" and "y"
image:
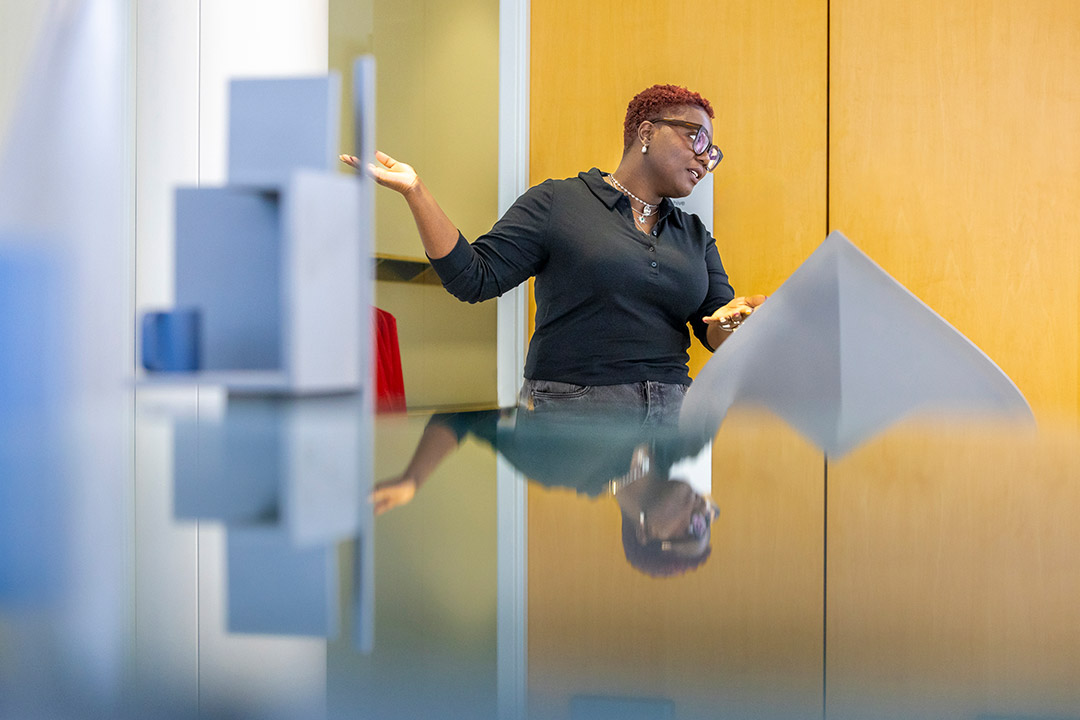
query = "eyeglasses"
{"x": 700, "y": 523}
{"x": 700, "y": 141}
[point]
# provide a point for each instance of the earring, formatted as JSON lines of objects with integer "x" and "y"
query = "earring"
{"x": 644, "y": 149}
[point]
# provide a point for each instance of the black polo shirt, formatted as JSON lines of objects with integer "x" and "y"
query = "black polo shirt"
{"x": 612, "y": 304}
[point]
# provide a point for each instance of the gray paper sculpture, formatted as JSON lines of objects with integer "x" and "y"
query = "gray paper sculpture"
{"x": 841, "y": 351}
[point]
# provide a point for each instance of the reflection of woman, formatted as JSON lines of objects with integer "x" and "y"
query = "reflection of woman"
{"x": 619, "y": 269}
{"x": 666, "y": 524}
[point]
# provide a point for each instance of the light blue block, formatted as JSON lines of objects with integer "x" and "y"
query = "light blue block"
{"x": 278, "y": 126}
{"x": 275, "y": 588}
{"x": 364, "y": 108}
{"x": 363, "y": 590}
{"x": 326, "y": 283}
{"x": 364, "y": 115}
{"x": 289, "y": 463}
{"x": 276, "y": 264}
{"x": 228, "y": 266}
{"x": 228, "y": 470}
{"x": 323, "y": 486}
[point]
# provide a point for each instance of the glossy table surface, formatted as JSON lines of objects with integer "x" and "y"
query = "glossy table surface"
{"x": 930, "y": 573}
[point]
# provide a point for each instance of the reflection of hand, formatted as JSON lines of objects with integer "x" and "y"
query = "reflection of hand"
{"x": 731, "y": 315}
{"x": 392, "y": 493}
{"x": 388, "y": 173}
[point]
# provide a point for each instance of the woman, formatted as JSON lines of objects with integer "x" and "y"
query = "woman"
{"x": 619, "y": 270}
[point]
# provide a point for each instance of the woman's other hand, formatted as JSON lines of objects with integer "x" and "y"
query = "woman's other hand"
{"x": 727, "y": 319}
{"x": 391, "y": 493}
{"x": 388, "y": 172}
{"x": 731, "y": 315}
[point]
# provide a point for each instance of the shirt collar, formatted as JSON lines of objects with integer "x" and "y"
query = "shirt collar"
{"x": 605, "y": 193}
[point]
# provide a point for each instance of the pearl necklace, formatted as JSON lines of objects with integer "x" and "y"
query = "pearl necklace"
{"x": 647, "y": 209}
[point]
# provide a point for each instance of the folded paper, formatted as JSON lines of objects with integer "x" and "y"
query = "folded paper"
{"x": 841, "y": 351}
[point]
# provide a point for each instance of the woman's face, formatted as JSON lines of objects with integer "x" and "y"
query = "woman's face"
{"x": 674, "y": 512}
{"x": 674, "y": 166}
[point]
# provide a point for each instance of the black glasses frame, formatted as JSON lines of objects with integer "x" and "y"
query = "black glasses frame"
{"x": 700, "y": 148}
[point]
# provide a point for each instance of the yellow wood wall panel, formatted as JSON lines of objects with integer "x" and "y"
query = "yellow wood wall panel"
{"x": 953, "y": 575}
{"x": 955, "y": 163}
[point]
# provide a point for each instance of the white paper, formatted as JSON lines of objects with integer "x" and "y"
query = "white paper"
{"x": 841, "y": 351}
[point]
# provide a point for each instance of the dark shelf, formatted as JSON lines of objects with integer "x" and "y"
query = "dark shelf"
{"x": 392, "y": 269}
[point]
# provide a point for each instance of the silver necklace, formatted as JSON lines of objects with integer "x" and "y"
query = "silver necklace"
{"x": 647, "y": 208}
{"x": 639, "y": 468}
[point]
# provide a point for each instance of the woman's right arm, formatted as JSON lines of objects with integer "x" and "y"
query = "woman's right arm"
{"x": 437, "y": 442}
{"x": 504, "y": 257}
{"x": 437, "y": 233}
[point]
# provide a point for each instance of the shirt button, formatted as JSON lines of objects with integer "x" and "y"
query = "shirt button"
{"x": 654, "y": 263}
{"x": 652, "y": 248}
{"x": 654, "y": 232}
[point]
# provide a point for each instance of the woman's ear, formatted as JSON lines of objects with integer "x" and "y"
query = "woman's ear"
{"x": 645, "y": 133}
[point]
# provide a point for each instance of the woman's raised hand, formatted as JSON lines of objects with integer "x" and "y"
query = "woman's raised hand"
{"x": 438, "y": 234}
{"x": 388, "y": 172}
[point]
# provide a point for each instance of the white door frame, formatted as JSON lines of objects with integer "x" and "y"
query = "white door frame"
{"x": 512, "y": 586}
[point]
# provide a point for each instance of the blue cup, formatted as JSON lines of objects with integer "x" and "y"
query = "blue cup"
{"x": 170, "y": 340}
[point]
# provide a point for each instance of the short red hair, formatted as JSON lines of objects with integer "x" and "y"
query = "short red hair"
{"x": 651, "y": 559}
{"x": 650, "y": 103}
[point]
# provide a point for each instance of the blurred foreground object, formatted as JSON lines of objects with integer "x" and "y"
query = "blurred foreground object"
{"x": 66, "y": 239}
{"x": 274, "y": 265}
{"x": 32, "y": 367}
{"x": 841, "y": 351}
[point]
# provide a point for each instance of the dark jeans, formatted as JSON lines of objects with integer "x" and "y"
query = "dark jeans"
{"x": 648, "y": 402}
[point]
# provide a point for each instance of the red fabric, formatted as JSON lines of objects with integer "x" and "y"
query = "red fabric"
{"x": 389, "y": 383}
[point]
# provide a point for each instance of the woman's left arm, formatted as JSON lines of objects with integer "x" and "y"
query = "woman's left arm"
{"x": 721, "y": 312}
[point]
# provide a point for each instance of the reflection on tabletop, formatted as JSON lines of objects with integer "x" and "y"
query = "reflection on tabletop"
{"x": 288, "y": 478}
{"x": 658, "y": 477}
{"x": 286, "y": 475}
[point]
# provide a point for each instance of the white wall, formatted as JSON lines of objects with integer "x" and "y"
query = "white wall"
{"x": 20, "y": 24}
